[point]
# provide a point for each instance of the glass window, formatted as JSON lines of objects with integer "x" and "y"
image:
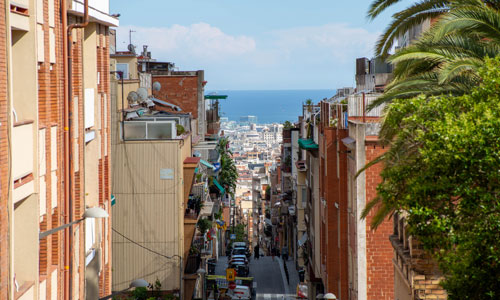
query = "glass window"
{"x": 161, "y": 130}
{"x": 123, "y": 68}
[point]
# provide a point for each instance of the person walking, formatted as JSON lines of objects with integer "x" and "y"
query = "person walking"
{"x": 256, "y": 252}
{"x": 284, "y": 253}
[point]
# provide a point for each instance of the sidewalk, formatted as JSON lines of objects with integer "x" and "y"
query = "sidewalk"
{"x": 291, "y": 285}
{"x": 220, "y": 268}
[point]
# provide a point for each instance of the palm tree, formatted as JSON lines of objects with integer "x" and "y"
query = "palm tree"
{"x": 445, "y": 60}
{"x": 413, "y": 15}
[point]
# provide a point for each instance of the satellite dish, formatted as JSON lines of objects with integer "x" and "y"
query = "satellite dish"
{"x": 156, "y": 86}
{"x": 131, "y": 48}
{"x": 143, "y": 94}
{"x": 132, "y": 98}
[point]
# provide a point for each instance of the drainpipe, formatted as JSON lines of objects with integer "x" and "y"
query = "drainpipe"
{"x": 64, "y": 18}
{"x": 364, "y": 103}
{"x": 68, "y": 91}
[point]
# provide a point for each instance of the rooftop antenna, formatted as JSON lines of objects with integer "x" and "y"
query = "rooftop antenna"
{"x": 130, "y": 47}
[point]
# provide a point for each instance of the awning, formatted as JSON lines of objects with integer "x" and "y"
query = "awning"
{"x": 206, "y": 163}
{"x": 303, "y": 239}
{"x": 215, "y": 97}
{"x": 308, "y": 144}
{"x": 348, "y": 140}
{"x": 217, "y": 184}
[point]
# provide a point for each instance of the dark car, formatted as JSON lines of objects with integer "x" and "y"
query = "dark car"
{"x": 241, "y": 251}
{"x": 241, "y": 268}
{"x": 238, "y": 258}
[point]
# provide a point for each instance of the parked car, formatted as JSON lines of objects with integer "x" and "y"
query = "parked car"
{"x": 239, "y": 257}
{"x": 239, "y": 251}
{"x": 241, "y": 268}
{"x": 240, "y": 245}
{"x": 242, "y": 250}
{"x": 240, "y": 292}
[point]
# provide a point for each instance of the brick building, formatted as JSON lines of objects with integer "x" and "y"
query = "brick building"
{"x": 371, "y": 273}
{"x": 186, "y": 90}
{"x": 333, "y": 193}
{"x": 49, "y": 108}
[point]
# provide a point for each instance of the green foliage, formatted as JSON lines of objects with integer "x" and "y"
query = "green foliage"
{"x": 140, "y": 293}
{"x": 287, "y": 125}
{"x": 204, "y": 225}
{"x": 218, "y": 215}
{"x": 446, "y": 58}
{"x": 240, "y": 231}
{"x": 180, "y": 129}
{"x": 228, "y": 175}
{"x": 442, "y": 169}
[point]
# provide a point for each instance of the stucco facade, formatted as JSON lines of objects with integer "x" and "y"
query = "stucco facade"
{"x": 59, "y": 265}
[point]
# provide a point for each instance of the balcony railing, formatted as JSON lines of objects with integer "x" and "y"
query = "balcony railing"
{"x": 358, "y": 105}
{"x": 192, "y": 263}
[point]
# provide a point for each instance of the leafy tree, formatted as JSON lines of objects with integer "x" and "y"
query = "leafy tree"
{"x": 442, "y": 169}
{"x": 287, "y": 125}
{"x": 228, "y": 175}
{"x": 204, "y": 225}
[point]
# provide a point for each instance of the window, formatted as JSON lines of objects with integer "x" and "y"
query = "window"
{"x": 123, "y": 68}
{"x": 158, "y": 130}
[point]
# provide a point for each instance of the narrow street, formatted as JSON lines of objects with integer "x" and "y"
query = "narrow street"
{"x": 269, "y": 276}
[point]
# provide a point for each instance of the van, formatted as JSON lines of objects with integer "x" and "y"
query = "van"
{"x": 240, "y": 292}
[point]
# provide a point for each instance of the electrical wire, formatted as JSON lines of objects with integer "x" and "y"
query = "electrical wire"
{"x": 146, "y": 248}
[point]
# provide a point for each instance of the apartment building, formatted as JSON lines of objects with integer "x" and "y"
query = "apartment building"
{"x": 333, "y": 197}
{"x": 186, "y": 90}
{"x": 371, "y": 273}
{"x": 56, "y": 121}
{"x": 161, "y": 170}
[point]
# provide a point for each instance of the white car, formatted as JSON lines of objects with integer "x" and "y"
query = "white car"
{"x": 240, "y": 292}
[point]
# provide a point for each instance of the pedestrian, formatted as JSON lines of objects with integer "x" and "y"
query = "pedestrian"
{"x": 278, "y": 253}
{"x": 256, "y": 252}
{"x": 284, "y": 253}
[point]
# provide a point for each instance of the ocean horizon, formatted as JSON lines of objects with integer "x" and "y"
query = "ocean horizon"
{"x": 270, "y": 106}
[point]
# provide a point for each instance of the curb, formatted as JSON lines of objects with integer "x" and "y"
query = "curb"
{"x": 282, "y": 270}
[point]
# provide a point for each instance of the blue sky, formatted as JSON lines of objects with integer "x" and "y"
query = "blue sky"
{"x": 251, "y": 45}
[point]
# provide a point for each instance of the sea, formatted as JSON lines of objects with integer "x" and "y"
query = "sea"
{"x": 270, "y": 106}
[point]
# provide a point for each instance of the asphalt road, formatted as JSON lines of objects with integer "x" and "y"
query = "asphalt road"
{"x": 266, "y": 273}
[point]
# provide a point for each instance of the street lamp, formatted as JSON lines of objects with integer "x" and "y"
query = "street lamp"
{"x": 93, "y": 212}
{"x": 202, "y": 273}
{"x": 329, "y": 296}
{"x": 134, "y": 284}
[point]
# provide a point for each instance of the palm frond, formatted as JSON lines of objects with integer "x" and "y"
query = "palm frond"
{"x": 378, "y": 6}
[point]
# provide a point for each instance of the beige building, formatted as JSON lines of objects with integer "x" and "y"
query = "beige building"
{"x": 161, "y": 190}
{"x": 57, "y": 143}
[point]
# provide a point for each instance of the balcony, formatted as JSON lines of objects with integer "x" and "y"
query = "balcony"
{"x": 22, "y": 160}
{"x": 358, "y": 103}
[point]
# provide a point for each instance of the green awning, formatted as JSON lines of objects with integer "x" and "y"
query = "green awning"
{"x": 308, "y": 144}
{"x": 217, "y": 184}
{"x": 206, "y": 163}
{"x": 215, "y": 97}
